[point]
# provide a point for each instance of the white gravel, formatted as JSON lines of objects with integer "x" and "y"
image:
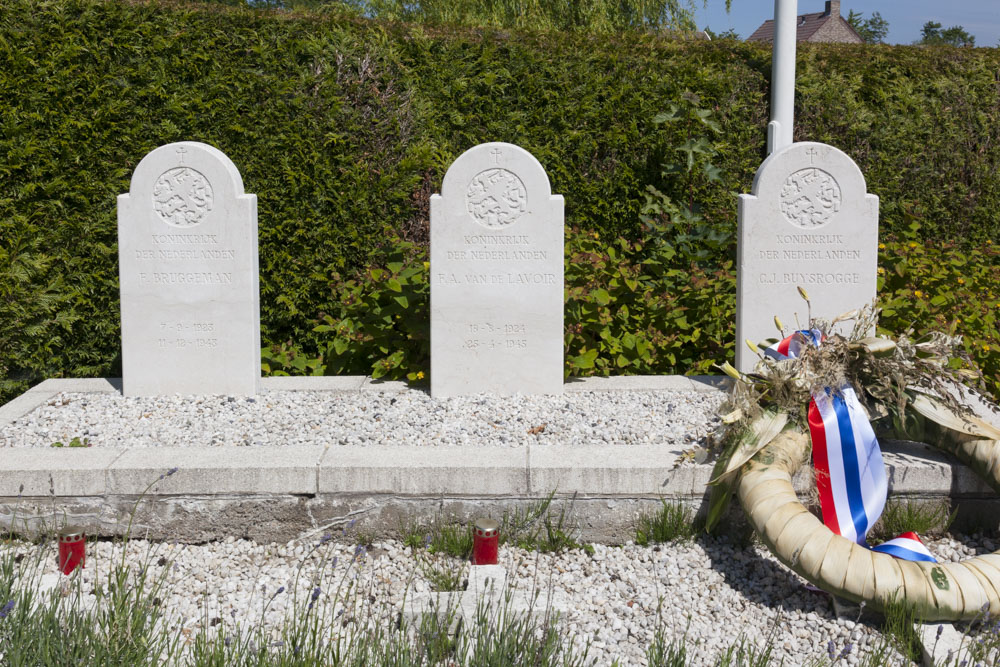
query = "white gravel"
{"x": 709, "y": 592}
{"x": 369, "y": 418}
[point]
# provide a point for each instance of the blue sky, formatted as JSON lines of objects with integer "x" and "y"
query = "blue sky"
{"x": 905, "y": 17}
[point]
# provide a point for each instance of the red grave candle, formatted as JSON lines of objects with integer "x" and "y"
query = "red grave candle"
{"x": 485, "y": 542}
{"x": 72, "y": 549}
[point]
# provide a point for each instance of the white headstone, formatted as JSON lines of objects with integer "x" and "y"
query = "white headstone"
{"x": 496, "y": 276}
{"x": 809, "y": 223}
{"x": 187, "y": 259}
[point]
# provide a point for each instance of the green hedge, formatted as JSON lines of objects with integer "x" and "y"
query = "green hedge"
{"x": 343, "y": 127}
{"x": 646, "y": 308}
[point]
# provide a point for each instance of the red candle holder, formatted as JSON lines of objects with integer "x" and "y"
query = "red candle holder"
{"x": 485, "y": 542}
{"x": 72, "y": 549}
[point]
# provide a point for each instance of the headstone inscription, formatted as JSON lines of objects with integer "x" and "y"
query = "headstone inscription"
{"x": 496, "y": 276}
{"x": 187, "y": 259}
{"x": 809, "y": 223}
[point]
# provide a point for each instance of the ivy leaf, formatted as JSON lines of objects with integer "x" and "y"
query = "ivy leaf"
{"x": 585, "y": 360}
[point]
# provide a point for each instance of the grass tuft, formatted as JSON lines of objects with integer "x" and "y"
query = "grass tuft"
{"x": 670, "y": 523}
{"x": 540, "y": 528}
{"x": 899, "y": 627}
{"x": 537, "y": 527}
{"x": 923, "y": 518}
{"x": 443, "y": 577}
{"x": 661, "y": 653}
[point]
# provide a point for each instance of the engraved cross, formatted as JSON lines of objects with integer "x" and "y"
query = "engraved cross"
{"x": 180, "y": 153}
{"x": 812, "y": 153}
{"x": 496, "y": 154}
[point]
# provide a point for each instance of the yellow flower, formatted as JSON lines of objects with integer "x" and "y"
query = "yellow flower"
{"x": 913, "y": 244}
{"x": 881, "y": 246}
{"x": 420, "y": 375}
{"x": 961, "y": 281}
{"x": 918, "y": 294}
{"x": 881, "y": 270}
{"x": 986, "y": 348}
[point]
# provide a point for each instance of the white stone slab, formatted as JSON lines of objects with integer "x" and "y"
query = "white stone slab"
{"x": 187, "y": 252}
{"x": 809, "y": 223}
{"x": 488, "y": 597}
{"x": 943, "y": 644}
{"x": 496, "y": 276}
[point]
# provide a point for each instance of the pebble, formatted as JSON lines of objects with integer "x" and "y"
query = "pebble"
{"x": 668, "y": 418}
{"x": 708, "y": 593}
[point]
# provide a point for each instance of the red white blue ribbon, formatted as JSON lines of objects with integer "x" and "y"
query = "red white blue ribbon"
{"x": 792, "y": 346}
{"x": 907, "y": 547}
{"x": 850, "y": 474}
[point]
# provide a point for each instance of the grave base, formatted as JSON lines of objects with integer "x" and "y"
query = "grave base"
{"x": 274, "y": 493}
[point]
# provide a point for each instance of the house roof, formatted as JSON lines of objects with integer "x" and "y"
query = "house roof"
{"x": 807, "y": 26}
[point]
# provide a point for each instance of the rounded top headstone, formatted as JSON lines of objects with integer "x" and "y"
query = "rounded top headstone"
{"x": 499, "y": 183}
{"x": 183, "y": 182}
{"x": 811, "y": 182}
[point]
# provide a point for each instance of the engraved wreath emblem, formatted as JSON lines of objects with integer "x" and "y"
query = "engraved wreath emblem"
{"x": 810, "y": 198}
{"x": 496, "y": 198}
{"x": 182, "y": 197}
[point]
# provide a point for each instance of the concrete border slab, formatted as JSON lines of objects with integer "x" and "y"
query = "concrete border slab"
{"x": 639, "y": 470}
{"x": 62, "y": 471}
{"x": 915, "y": 468}
{"x": 216, "y": 470}
{"x": 425, "y": 470}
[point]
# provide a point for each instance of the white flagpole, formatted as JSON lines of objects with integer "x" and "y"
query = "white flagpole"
{"x": 779, "y": 130}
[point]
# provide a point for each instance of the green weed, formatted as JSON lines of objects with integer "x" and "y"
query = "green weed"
{"x": 537, "y": 527}
{"x": 924, "y": 518}
{"x": 899, "y": 628}
{"x": 444, "y": 576}
{"x": 746, "y": 653}
{"x": 671, "y": 522}
{"x": 75, "y": 442}
{"x": 540, "y": 528}
{"x": 451, "y": 539}
{"x": 661, "y": 653}
{"x": 441, "y": 536}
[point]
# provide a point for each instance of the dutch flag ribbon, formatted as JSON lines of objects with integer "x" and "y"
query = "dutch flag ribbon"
{"x": 850, "y": 474}
{"x": 792, "y": 346}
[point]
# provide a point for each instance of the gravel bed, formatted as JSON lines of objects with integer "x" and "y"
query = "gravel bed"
{"x": 411, "y": 417}
{"x": 709, "y": 591}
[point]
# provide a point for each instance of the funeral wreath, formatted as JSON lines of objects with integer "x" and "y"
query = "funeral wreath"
{"x": 825, "y": 394}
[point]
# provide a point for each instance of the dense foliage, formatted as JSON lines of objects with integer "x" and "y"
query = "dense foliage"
{"x": 590, "y": 15}
{"x": 343, "y": 126}
{"x": 599, "y": 15}
{"x": 647, "y": 308}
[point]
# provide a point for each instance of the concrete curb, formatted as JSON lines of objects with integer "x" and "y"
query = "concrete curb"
{"x": 603, "y": 471}
{"x": 316, "y": 485}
